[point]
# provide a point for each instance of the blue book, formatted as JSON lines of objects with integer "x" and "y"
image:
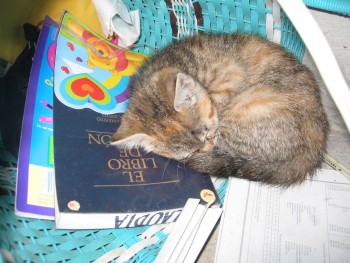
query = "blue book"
{"x": 34, "y": 193}
{"x": 97, "y": 185}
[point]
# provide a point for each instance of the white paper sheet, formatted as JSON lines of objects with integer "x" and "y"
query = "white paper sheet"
{"x": 306, "y": 223}
{"x": 190, "y": 232}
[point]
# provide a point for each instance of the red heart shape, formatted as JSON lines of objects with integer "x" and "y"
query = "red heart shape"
{"x": 83, "y": 87}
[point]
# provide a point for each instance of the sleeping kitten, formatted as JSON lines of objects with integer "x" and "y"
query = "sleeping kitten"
{"x": 228, "y": 105}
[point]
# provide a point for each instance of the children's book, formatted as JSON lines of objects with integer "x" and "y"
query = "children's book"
{"x": 97, "y": 185}
{"x": 35, "y": 195}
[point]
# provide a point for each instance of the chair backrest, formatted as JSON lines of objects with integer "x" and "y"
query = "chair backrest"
{"x": 166, "y": 20}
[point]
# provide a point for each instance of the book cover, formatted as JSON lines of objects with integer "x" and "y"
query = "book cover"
{"x": 35, "y": 195}
{"x": 97, "y": 185}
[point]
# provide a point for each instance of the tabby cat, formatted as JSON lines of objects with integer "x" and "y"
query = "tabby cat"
{"x": 228, "y": 105}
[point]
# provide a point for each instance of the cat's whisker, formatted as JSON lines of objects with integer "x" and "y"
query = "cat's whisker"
{"x": 165, "y": 167}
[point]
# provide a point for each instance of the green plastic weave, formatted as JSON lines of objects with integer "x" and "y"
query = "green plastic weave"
{"x": 32, "y": 240}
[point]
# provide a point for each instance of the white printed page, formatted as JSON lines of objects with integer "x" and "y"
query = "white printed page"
{"x": 306, "y": 223}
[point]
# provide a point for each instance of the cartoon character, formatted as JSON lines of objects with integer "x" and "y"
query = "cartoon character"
{"x": 98, "y": 76}
{"x": 103, "y": 55}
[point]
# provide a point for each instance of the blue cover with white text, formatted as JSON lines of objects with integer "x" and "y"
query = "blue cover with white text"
{"x": 35, "y": 195}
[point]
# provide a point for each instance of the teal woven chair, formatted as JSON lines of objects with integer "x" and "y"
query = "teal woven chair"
{"x": 162, "y": 21}
{"x": 336, "y": 6}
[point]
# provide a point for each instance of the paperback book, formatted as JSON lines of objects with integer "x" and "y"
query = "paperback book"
{"x": 34, "y": 193}
{"x": 98, "y": 185}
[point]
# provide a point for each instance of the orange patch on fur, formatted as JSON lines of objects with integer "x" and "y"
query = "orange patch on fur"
{"x": 212, "y": 113}
{"x": 171, "y": 129}
{"x": 256, "y": 103}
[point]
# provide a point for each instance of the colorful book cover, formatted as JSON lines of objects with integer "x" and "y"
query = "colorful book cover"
{"x": 35, "y": 195}
{"x": 97, "y": 185}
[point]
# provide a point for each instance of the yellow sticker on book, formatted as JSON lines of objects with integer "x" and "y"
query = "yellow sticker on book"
{"x": 74, "y": 205}
{"x": 208, "y": 195}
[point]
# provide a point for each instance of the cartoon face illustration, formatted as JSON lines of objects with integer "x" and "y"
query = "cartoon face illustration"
{"x": 93, "y": 73}
{"x": 115, "y": 60}
{"x": 104, "y": 56}
{"x": 102, "y": 59}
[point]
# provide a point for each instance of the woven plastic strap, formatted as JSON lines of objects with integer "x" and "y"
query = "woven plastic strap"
{"x": 273, "y": 21}
{"x": 164, "y": 21}
{"x": 291, "y": 39}
{"x": 232, "y": 16}
{"x": 39, "y": 241}
{"x": 185, "y": 18}
{"x": 156, "y": 31}
{"x": 338, "y": 6}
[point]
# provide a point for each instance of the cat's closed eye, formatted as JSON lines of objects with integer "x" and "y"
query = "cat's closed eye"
{"x": 198, "y": 134}
{"x": 203, "y": 133}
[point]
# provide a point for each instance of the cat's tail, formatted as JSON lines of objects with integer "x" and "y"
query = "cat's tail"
{"x": 283, "y": 173}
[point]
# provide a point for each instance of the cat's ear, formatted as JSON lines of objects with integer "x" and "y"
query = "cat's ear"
{"x": 186, "y": 92}
{"x": 132, "y": 141}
